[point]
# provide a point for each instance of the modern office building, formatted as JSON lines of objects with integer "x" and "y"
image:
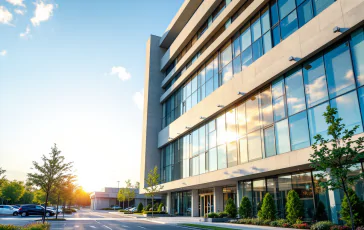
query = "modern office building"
{"x": 235, "y": 91}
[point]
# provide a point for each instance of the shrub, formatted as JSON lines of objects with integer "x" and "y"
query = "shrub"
{"x": 360, "y": 228}
{"x": 37, "y": 226}
{"x": 155, "y": 207}
{"x": 8, "y": 227}
{"x": 148, "y": 207}
{"x": 283, "y": 223}
{"x": 301, "y": 226}
{"x": 357, "y": 208}
{"x": 154, "y": 212}
{"x": 321, "y": 214}
{"x": 230, "y": 208}
{"x": 257, "y": 221}
{"x": 268, "y": 210}
{"x": 339, "y": 227}
{"x": 212, "y": 215}
{"x": 274, "y": 223}
{"x": 140, "y": 207}
{"x": 245, "y": 209}
{"x": 294, "y": 207}
{"x": 266, "y": 222}
{"x": 160, "y": 207}
{"x": 322, "y": 225}
{"x": 223, "y": 214}
{"x": 245, "y": 221}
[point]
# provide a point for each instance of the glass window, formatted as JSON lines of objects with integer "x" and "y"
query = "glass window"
{"x": 317, "y": 122}
{"x": 202, "y": 163}
{"x": 243, "y": 150}
{"x": 257, "y": 49}
{"x": 305, "y": 13}
{"x": 216, "y": 81}
{"x": 259, "y": 190}
{"x": 267, "y": 42}
{"x": 202, "y": 136}
{"x": 230, "y": 126}
{"x": 236, "y": 65}
{"x": 254, "y": 145}
{"x": 320, "y": 5}
{"x": 361, "y": 101}
{"x": 357, "y": 52}
{"x": 227, "y": 73}
{"x": 340, "y": 75}
{"x": 186, "y": 168}
{"x": 212, "y": 159}
{"x": 246, "y": 58}
{"x": 302, "y": 184}
{"x": 242, "y": 119}
{"x": 269, "y": 145}
{"x": 315, "y": 82}
{"x": 236, "y": 46}
{"x": 209, "y": 87}
{"x": 256, "y": 28}
{"x": 266, "y": 104}
{"x": 221, "y": 130}
{"x": 252, "y": 113}
{"x": 195, "y": 166}
{"x": 232, "y": 154}
{"x": 289, "y": 25}
{"x": 348, "y": 109}
{"x": 226, "y": 55}
{"x": 276, "y": 36}
{"x": 201, "y": 77}
{"x": 212, "y": 139}
{"x": 186, "y": 147}
{"x": 188, "y": 89}
{"x": 295, "y": 92}
{"x": 321, "y": 196}
{"x": 298, "y": 129}
{"x": 282, "y": 137}
{"x": 209, "y": 70}
{"x": 221, "y": 157}
{"x": 246, "y": 39}
{"x": 274, "y": 12}
{"x": 265, "y": 20}
{"x": 194, "y": 99}
{"x": 195, "y": 147}
{"x": 279, "y": 106}
{"x": 285, "y": 7}
{"x": 194, "y": 84}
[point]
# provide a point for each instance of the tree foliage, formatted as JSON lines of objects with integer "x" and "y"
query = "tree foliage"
{"x": 230, "y": 208}
{"x": 357, "y": 207}
{"x": 121, "y": 195}
{"x": 154, "y": 184}
{"x": 337, "y": 154}
{"x": 245, "y": 208}
{"x": 268, "y": 210}
{"x": 12, "y": 191}
{"x": 140, "y": 207}
{"x": 294, "y": 207}
{"x": 129, "y": 191}
{"x": 27, "y": 197}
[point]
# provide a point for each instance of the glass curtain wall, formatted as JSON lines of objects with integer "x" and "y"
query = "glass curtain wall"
{"x": 181, "y": 203}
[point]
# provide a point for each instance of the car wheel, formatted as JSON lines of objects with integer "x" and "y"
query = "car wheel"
{"x": 23, "y": 214}
{"x": 15, "y": 213}
{"x": 48, "y": 214}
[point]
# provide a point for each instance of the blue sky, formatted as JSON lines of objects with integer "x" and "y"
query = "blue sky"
{"x": 72, "y": 73}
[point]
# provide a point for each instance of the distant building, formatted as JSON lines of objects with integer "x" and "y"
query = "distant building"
{"x": 108, "y": 198}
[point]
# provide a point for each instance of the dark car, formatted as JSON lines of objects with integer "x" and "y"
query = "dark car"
{"x": 32, "y": 209}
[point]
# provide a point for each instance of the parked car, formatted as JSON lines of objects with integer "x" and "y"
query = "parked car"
{"x": 54, "y": 209}
{"x": 115, "y": 207}
{"x": 31, "y": 209}
{"x": 133, "y": 209}
{"x": 8, "y": 210}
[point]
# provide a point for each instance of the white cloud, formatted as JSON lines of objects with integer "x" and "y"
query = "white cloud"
{"x": 121, "y": 72}
{"x": 42, "y": 12}
{"x": 19, "y": 11}
{"x": 138, "y": 99}
{"x": 26, "y": 34}
{"x": 3, "y": 52}
{"x": 16, "y": 2}
{"x": 5, "y": 16}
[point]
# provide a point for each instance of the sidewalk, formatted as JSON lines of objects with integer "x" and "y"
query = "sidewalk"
{"x": 135, "y": 216}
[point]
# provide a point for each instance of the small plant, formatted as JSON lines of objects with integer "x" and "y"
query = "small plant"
{"x": 212, "y": 215}
{"x": 294, "y": 207}
{"x": 230, "y": 208}
{"x": 8, "y": 227}
{"x": 268, "y": 210}
{"x": 223, "y": 214}
{"x": 339, "y": 227}
{"x": 357, "y": 208}
{"x": 266, "y": 222}
{"x": 140, "y": 207}
{"x": 322, "y": 225}
{"x": 245, "y": 209}
{"x": 148, "y": 207}
{"x": 161, "y": 205}
{"x": 37, "y": 226}
{"x": 274, "y": 223}
{"x": 301, "y": 226}
{"x": 257, "y": 221}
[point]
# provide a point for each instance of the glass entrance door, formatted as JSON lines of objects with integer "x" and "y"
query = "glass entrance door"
{"x": 206, "y": 204}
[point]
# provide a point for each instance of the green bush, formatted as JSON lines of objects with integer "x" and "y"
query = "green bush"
{"x": 294, "y": 207}
{"x": 223, "y": 214}
{"x": 322, "y": 225}
{"x": 8, "y": 227}
{"x": 148, "y": 207}
{"x": 155, "y": 212}
{"x": 245, "y": 221}
{"x": 340, "y": 227}
{"x": 266, "y": 222}
{"x": 268, "y": 210}
{"x": 357, "y": 208}
{"x": 301, "y": 226}
{"x": 274, "y": 223}
{"x": 37, "y": 226}
{"x": 212, "y": 215}
{"x": 140, "y": 207}
{"x": 321, "y": 214}
{"x": 230, "y": 208}
{"x": 245, "y": 209}
{"x": 257, "y": 221}
{"x": 160, "y": 207}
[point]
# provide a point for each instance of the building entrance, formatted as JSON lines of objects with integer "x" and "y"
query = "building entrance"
{"x": 206, "y": 204}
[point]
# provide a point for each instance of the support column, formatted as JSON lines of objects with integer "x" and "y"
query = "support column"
{"x": 169, "y": 202}
{"x": 194, "y": 203}
{"x": 334, "y": 199}
{"x": 238, "y": 196}
{"x": 218, "y": 199}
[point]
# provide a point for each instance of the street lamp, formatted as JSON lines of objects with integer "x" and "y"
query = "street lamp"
{"x": 118, "y": 193}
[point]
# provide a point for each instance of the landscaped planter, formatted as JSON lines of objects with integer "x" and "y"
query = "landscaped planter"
{"x": 217, "y": 220}
{"x": 156, "y": 215}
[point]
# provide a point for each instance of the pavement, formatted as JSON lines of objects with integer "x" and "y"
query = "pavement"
{"x": 105, "y": 220}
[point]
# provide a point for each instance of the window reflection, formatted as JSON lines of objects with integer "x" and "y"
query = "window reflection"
{"x": 295, "y": 92}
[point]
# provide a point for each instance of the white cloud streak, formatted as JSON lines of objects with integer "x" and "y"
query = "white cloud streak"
{"x": 42, "y": 12}
{"x": 19, "y": 11}
{"x": 138, "y": 99}
{"x": 120, "y": 72}
{"x": 26, "y": 34}
{"x": 5, "y": 16}
{"x": 3, "y": 52}
{"x": 16, "y": 2}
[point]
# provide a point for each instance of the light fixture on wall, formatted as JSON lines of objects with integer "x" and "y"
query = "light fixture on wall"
{"x": 336, "y": 29}
{"x": 202, "y": 118}
{"x": 187, "y": 127}
{"x": 220, "y": 106}
{"x": 241, "y": 93}
{"x": 178, "y": 133}
{"x": 170, "y": 138}
{"x": 291, "y": 58}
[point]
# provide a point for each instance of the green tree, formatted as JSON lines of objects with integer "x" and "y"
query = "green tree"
{"x": 137, "y": 185}
{"x": 129, "y": 191}
{"x": 336, "y": 156}
{"x": 245, "y": 209}
{"x": 268, "y": 210}
{"x": 140, "y": 207}
{"x": 160, "y": 206}
{"x": 27, "y": 197}
{"x": 230, "y": 208}
{"x": 12, "y": 191}
{"x": 121, "y": 196}
{"x": 154, "y": 184}
{"x": 294, "y": 207}
{"x": 39, "y": 197}
{"x": 49, "y": 173}
{"x": 321, "y": 214}
{"x": 357, "y": 208}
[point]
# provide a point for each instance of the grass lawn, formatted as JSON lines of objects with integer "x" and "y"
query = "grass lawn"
{"x": 205, "y": 226}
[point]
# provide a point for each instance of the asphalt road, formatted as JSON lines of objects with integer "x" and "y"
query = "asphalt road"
{"x": 91, "y": 220}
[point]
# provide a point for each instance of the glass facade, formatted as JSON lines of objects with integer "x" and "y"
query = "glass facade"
{"x": 283, "y": 117}
{"x": 274, "y": 23}
{"x": 181, "y": 203}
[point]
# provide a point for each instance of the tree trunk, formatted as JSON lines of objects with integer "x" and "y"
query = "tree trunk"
{"x": 350, "y": 208}
{"x": 123, "y": 205}
{"x": 64, "y": 207}
{"x": 152, "y": 206}
{"x": 128, "y": 203}
{"x": 57, "y": 207}
{"x": 45, "y": 207}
